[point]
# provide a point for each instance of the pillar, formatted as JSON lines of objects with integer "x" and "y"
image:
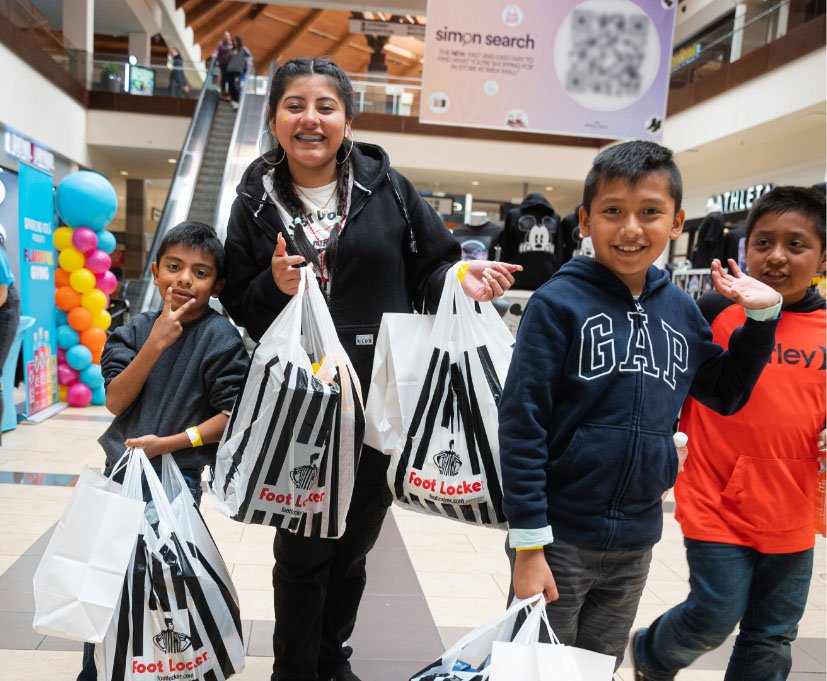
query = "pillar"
{"x": 134, "y": 242}
{"x": 79, "y": 30}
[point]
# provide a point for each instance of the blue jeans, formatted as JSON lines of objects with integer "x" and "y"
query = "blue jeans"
{"x": 192, "y": 478}
{"x": 729, "y": 584}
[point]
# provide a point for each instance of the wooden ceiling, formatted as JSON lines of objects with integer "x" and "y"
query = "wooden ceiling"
{"x": 280, "y": 32}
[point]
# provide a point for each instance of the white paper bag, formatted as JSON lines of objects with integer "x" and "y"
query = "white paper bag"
{"x": 289, "y": 454}
{"x": 78, "y": 581}
{"x": 527, "y": 659}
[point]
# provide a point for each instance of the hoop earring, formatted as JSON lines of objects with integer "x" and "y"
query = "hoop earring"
{"x": 347, "y": 155}
{"x": 262, "y": 154}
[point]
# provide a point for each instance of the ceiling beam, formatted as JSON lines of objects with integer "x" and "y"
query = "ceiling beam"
{"x": 201, "y": 8}
{"x": 341, "y": 44}
{"x": 278, "y": 51}
{"x": 227, "y": 22}
{"x": 211, "y": 16}
{"x": 187, "y": 5}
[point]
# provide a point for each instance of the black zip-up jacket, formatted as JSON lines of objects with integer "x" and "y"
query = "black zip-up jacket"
{"x": 393, "y": 255}
{"x": 595, "y": 384}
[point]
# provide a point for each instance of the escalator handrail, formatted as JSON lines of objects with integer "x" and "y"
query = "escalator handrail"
{"x": 163, "y": 226}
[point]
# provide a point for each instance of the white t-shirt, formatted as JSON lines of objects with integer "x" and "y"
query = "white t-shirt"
{"x": 320, "y": 204}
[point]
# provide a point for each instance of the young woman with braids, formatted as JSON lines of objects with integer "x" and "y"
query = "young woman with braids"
{"x": 319, "y": 198}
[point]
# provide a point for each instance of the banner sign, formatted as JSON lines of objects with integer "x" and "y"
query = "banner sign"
{"x": 386, "y": 28}
{"x": 591, "y": 68}
{"x": 37, "y": 286}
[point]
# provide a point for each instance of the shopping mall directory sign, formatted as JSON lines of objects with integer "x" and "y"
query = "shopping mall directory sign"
{"x": 594, "y": 68}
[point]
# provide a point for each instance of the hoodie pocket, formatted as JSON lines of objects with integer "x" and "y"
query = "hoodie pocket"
{"x": 654, "y": 471}
{"x": 584, "y": 477}
{"x": 359, "y": 342}
{"x": 770, "y": 495}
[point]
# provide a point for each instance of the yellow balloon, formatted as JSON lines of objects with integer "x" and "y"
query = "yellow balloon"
{"x": 94, "y": 301}
{"x": 63, "y": 237}
{"x": 82, "y": 280}
{"x": 71, "y": 259}
{"x": 62, "y": 393}
{"x": 102, "y": 320}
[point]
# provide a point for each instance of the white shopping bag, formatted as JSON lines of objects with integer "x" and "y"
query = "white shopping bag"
{"x": 178, "y": 615}
{"x": 469, "y": 659}
{"x": 289, "y": 454}
{"x": 446, "y": 461}
{"x": 402, "y": 347}
{"x": 78, "y": 581}
{"x": 527, "y": 659}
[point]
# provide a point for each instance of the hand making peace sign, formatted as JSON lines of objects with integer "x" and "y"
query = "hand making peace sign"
{"x": 167, "y": 328}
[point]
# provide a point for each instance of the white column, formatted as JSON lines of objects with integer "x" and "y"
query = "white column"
{"x": 738, "y": 31}
{"x": 79, "y": 30}
{"x": 783, "y": 21}
{"x": 139, "y": 46}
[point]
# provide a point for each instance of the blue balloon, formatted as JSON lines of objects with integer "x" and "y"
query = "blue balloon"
{"x": 106, "y": 241}
{"x": 66, "y": 337}
{"x": 86, "y": 199}
{"x": 99, "y": 395}
{"x": 92, "y": 376}
{"x": 60, "y": 317}
{"x": 78, "y": 357}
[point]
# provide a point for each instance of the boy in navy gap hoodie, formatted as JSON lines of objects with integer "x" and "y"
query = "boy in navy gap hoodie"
{"x": 606, "y": 353}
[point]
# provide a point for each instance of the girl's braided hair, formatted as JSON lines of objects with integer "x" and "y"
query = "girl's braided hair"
{"x": 282, "y": 180}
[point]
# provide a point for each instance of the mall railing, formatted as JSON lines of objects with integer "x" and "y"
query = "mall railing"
{"x": 110, "y": 75}
{"x": 750, "y": 28}
{"x": 34, "y": 25}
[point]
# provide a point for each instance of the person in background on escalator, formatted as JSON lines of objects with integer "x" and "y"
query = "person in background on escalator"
{"x": 221, "y": 54}
{"x": 178, "y": 86}
{"x": 236, "y": 69}
{"x": 9, "y": 309}
{"x": 321, "y": 199}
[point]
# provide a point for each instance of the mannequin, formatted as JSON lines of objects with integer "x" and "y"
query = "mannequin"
{"x": 479, "y": 237}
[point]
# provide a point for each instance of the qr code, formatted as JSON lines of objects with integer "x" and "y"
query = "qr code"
{"x": 607, "y": 53}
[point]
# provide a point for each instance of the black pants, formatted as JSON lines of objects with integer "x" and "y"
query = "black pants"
{"x": 234, "y": 85}
{"x": 318, "y": 583}
{"x": 9, "y": 321}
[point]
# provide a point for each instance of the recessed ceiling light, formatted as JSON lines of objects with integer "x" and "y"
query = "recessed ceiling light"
{"x": 172, "y": 160}
{"x": 475, "y": 183}
{"x": 549, "y": 188}
{"x": 124, "y": 173}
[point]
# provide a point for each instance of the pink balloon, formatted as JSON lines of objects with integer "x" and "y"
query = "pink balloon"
{"x": 85, "y": 239}
{"x": 79, "y": 395}
{"x": 107, "y": 282}
{"x": 98, "y": 261}
{"x": 66, "y": 375}
{"x": 61, "y": 356}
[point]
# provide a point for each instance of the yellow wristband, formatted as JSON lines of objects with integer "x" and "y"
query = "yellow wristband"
{"x": 194, "y": 436}
{"x": 529, "y": 548}
{"x": 461, "y": 271}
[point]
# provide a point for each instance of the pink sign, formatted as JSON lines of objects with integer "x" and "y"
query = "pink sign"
{"x": 594, "y": 68}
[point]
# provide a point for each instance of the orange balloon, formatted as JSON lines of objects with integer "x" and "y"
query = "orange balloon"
{"x": 96, "y": 356}
{"x": 62, "y": 391}
{"x": 93, "y": 338}
{"x": 79, "y": 318}
{"x": 61, "y": 277}
{"x": 66, "y": 298}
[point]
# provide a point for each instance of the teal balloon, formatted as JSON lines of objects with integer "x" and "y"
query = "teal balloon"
{"x": 66, "y": 336}
{"x": 92, "y": 376}
{"x": 86, "y": 199}
{"x": 60, "y": 317}
{"x": 99, "y": 396}
{"x": 78, "y": 357}
{"x": 106, "y": 241}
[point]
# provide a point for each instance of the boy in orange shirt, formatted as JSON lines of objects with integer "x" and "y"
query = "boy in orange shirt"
{"x": 745, "y": 499}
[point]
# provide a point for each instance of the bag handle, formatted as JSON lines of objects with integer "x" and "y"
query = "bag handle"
{"x": 529, "y": 632}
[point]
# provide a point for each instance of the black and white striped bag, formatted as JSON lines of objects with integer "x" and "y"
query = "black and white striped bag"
{"x": 178, "y": 615}
{"x": 447, "y": 460}
{"x": 289, "y": 454}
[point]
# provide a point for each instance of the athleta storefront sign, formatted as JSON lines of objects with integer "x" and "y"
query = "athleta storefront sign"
{"x": 737, "y": 200}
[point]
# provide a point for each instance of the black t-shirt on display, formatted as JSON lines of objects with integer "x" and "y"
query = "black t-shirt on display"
{"x": 478, "y": 241}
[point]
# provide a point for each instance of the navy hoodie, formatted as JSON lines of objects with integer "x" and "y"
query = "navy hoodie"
{"x": 595, "y": 385}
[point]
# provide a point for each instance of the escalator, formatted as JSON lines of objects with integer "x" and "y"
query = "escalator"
{"x": 220, "y": 143}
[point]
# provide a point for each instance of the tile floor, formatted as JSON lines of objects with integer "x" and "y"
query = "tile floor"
{"x": 430, "y": 580}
